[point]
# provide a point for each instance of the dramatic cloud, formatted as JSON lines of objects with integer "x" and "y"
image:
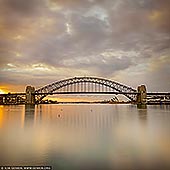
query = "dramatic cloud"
{"x": 47, "y": 40}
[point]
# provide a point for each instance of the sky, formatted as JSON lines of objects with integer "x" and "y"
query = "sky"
{"x": 42, "y": 41}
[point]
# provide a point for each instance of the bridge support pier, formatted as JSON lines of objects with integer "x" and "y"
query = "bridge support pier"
{"x": 30, "y": 98}
{"x": 141, "y": 97}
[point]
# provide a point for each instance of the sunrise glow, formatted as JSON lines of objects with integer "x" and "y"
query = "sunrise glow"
{"x": 2, "y": 91}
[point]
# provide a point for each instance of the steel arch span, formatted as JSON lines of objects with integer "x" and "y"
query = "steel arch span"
{"x": 85, "y": 84}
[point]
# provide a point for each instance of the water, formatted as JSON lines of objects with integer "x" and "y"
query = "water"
{"x": 86, "y": 136}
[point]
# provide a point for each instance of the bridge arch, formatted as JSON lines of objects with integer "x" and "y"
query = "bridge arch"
{"x": 112, "y": 85}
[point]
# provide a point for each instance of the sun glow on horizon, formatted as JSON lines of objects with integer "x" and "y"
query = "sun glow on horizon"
{"x": 2, "y": 91}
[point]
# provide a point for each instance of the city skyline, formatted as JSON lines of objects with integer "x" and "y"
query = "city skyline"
{"x": 43, "y": 41}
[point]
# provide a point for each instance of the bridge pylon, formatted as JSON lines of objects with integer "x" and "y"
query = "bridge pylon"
{"x": 30, "y": 97}
{"x": 141, "y": 97}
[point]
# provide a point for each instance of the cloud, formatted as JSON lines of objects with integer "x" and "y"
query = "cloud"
{"x": 21, "y": 7}
{"x": 57, "y": 39}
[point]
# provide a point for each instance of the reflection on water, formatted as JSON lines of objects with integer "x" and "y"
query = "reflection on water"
{"x": 29, "y": 114}
{"x": 85, "y": 136}
{"x": 142, "y": 114}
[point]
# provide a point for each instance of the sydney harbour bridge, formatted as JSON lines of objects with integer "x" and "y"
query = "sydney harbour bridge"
{"x": 86, "y": 85}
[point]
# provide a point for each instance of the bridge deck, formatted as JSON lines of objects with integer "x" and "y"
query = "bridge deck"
{"x": 135, "y": 93}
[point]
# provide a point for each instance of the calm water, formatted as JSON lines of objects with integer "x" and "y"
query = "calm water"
{"x": 86, "y": 136}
